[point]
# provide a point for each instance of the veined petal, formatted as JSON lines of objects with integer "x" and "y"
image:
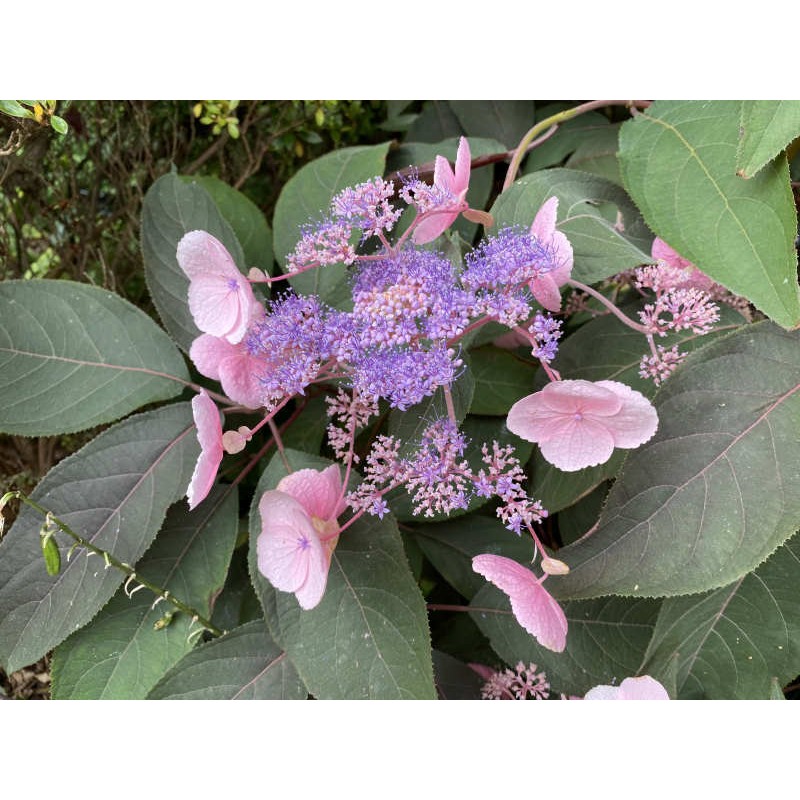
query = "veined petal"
{"x": 317, "y": 491}
{"x": 209, "y": 434}
{"x": 463, "y": 166}
{"x": 577, "y": 444}
{"x": 635, "y": 422}
{"x": 200, "y": 253}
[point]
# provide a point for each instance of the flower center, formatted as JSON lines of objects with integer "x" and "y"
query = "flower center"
{"x": 577, "y": 416}
{"x": 233, "y": 284}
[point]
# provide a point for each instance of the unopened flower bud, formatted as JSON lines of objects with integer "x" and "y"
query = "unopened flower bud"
{"x": 552, "y": 566}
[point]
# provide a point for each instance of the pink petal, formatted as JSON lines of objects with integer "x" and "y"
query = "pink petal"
{"x": 221, "y": 305}
{"x": 580, "y": 396}
{"x": 239, "y": 376}
{"x": 661, "y": 251}
{"x": 200, "y": 253}
{"x": 636, "y": 421}
{"x": 290, "y": 554}
{"x": 434, "y": 225}
{"x": 463, "y": 166}
{"x": 545, "y": 291}
{"x": 207, "y": 352}
{"x": 531, "y": 603}
{"x": 577, "y": 444}
{"x": 443, "y": 176}
{"x": 643, "y": 688}
{"x": 209, "y": 434}
{"x": 544, "y": 223}
{"x": 319, "y": 492}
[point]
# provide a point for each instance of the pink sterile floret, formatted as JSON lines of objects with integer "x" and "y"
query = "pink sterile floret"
{"x": 209, "y": 434}
{"x": 545, "y": 287}
{"x": 643, "y": 688}
{"x": 299, "y": 531}
{"x": 531, "y": 603}
{"x": 220, "y": 297}
{"x": 452, "y": 186}
{"x": 578, "y": 423}
{"x": 231, "y": 365}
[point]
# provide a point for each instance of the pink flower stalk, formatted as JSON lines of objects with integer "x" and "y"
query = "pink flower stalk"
{"x": 299, "y": 531}
{"x": 231, "y": 365}
{"x": 643, "y": 688}
{"x": 531, "y": 603}
{"x": 452, "y": 189}
{"x": 545, "y": 288}
{"x": 220, "y": 297}
{"x": 209, "y": 434}
{"x": 578, "y": 423}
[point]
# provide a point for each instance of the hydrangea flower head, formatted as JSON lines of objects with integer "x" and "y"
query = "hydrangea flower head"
{"x": 450, "y": 189}
{"x": 545, "y": 287}
{"x": 209, "y": 434}
{"x": 643, "y": 688}
{"x": 299, "y": 531}
{"x": 578, "y": 423}
{"x": 220, "y": 297}
{"x": 531, "y": 603}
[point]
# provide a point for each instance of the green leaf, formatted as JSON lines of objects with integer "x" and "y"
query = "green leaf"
{"x": 717, "y": 489}
{"x": 307, "y": 198}
{"x": 451, "y": 546}
{"x": 732, "y": 643}
{"x": 500, "y": 380}
{"x": 607, "y": 233}
{"x": 14, "y": 109}
{"x": 173, "y": 207}
{"x": 248, "y": 222}
{"x": 569, "y": 137}
{"x": 598, "y": 154}
{"x": 454, "y": 679}
{"x": 606, "y": 638}
{"x": 505, "y": 120}
{"x": 605, "y": 349}
{"x": 59, "y": 125}
{"x": 678, "y": 162}
{"x": 368, "y": 637}
{"x": 766, "y": 128}
{"x": 74, "y": 356}
{"x": 114, "y": 492}
{"x": 436, "y": 122}
{"x": 119, "y": 655}
{"x": 245, "y": 664}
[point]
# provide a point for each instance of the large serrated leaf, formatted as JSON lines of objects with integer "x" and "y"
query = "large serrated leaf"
{"x": 766, "y": 128}
{"x": 500, "y": 380}
{"x": 245, "y": 664}
{"x": 678, "y": 162}
{"x": 114, "y": 492}
{"x": 307, "y": 198}
{"x": 74, "y": 356}
{"x": 368, "y": 637}
{"x": 605, "y": 229}
{"x": 505, "y": 120}
{"x": 718, "y": 487}
{"x": 119, "y": 655}
{"x": 733, "y": 643}
{"x": 606, "y": 638}
{"x": 173, "y": 207}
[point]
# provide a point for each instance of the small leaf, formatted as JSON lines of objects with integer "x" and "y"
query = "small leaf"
{"x": 766, "y": 128}
{"x": 59, "y": 125}
{"x": 14, "y": 109}
{"x": 74, "y": 356}
{"x": 245, "y": 664}
{"x": 52, "y": 555}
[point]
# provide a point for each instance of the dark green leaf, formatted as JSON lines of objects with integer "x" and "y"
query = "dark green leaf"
{"x": 598, "y": 154}
{"x": 173, "y": 207}
{"x": 500, "y": 380}
{"x": 245, "y": 664}
{"x": 678, "y": 162}
{"x": 74, "y": 356}
{"x": 454, "y": 679}
{"x": 368, "y": 637}
{"x": 120, "y": 654}
{"x": 114, "y": 492}
{"x": 607, "y": 233}
{"x": 505, "y": 120}
{"x": 733, "y": 642}
{"x": 570, "y": 135}
{"x": 766, "y": 128}
{"x": 436, "y": 122}
{"x": 718, "y": 487}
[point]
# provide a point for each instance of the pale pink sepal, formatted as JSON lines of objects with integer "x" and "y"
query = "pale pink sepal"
{"x": 220, "y": 297}
{"x": 319, "y": 492}
{"x": 232, "y": 366}
{"x": 578, "y": 423}
{"x": 209, "y": 434}
{"x": 642, "y": 688}
{"x": 451, "y": 183}
{"x": 290, "y": 553}
{"x": 532, "y": 605}
{"x": 546, "y": 288}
